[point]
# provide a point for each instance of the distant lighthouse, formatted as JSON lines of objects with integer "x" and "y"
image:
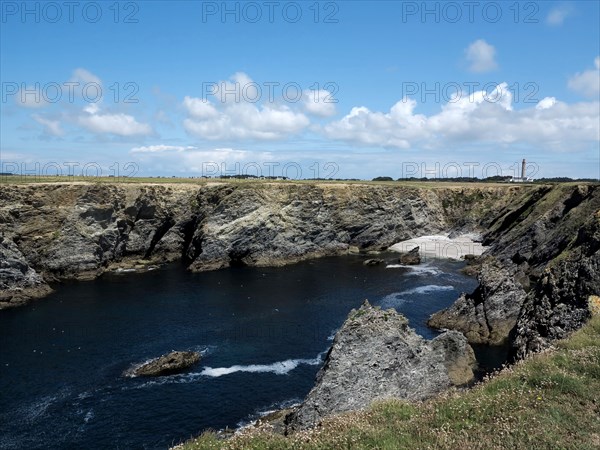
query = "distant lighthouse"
{"x": 523, "y": 167}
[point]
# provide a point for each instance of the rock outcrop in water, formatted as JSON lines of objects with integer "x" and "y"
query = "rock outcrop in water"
{"x": 488, "y": 314}
{"x": 375, "y": 355}
{"x": 411, "y": 258}
{"x": 169, "y": 364}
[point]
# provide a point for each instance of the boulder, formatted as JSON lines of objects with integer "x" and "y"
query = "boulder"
{"x": 373, "y": 262}
{"x": 376, "y": 355}
{"x": 410, "y": 258}
{"x": 168, "y": 364}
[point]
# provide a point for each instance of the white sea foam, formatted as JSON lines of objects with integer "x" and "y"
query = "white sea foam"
{"x": 331, "y": 336}
{"x": 274, "y": 407}
{"x": 426, "y": 289}
{"x": 398, "y": 298}
{"x": 279, "y": 368}
{"x": 423, "y": 269}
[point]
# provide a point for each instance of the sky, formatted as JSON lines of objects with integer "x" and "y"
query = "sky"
{"x": 303, "y": 89}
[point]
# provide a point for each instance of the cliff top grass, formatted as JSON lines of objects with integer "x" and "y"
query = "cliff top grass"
{"x": 551, "y": 400}
{"x": 26, "y": 180}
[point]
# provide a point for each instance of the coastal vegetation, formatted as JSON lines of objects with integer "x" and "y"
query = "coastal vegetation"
{"x": 549, "y": 400}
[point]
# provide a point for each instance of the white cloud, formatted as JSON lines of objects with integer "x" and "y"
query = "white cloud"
{"x": 31, "y": 97}
{"x": 118, "y": 124}
{"x": 84, "y": 76}
{"x": 557, "y": 15}
{"x": 200, "y": 108}
{"x": 51, "y": 127}
{"x": 481, "y": 56}
{"x": 546, "y": 103}
{"x": 238, "y": 117}
{"x": 41, "y": 95}
{"x": 478, "y": 118}
{"x": 161, "y": 149}
{"x": 320, "y": 103}
{"x": 587, "y": 83}
{"x": 190, "y": 159}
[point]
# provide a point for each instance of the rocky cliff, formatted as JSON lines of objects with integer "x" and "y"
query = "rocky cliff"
{"x": 53, "y": 232}
{"x": 535, "y": 278}
{"x": 375, "y": 355}
{"x": 538, "y": 274}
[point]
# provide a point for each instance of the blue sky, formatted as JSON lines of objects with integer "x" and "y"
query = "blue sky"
{"x": 371, "y": 88}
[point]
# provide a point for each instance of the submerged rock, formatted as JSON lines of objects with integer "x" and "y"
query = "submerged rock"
{"x": 168, "y": 364}
{"x": 373, "y": 262}
{"x": 376, "y": 355}
{"x": 411, "y": 258}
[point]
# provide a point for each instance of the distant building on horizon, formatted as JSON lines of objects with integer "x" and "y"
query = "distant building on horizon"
{"x": 523, "y": 178}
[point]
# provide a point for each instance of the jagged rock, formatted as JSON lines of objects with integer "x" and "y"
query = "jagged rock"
{"x": 18, "y": 280}
{"x": 560, "y": 302}
{"x": 488, "y": 315}
{"x": 411, "y": 258}
{"x": 169, "y": 364}
{"x": 545, "y": 265}
{"x": 376, "y": 355}
{"x": 373, "y": 262}
{"x": 79, "y": 231}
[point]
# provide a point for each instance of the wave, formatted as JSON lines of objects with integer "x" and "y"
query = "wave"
{"x": 424, "y": 269}
{"x": 398, "y": 298}
{"x": 278, "y": 368}
{"x": 427, "y": 289}
{"x": 331, "y": 336}
{"x": 272, "y": 408}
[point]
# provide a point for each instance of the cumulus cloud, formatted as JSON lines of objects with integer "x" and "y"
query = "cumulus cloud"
{"x": 587, "y": 83}
{"x": 546, "y": 103}
{"x": 320, "y": 103}
{"x": 51, "y": 127}
{"x": 481, "y": 117}
{"x": 240, "y": 116}
{"x": 481, "y": 57}
{"x": 557, "y": 15}
{"x": 118, "y": 124}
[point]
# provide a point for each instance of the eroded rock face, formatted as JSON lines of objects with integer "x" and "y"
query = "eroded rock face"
{"x": 78, "y": 231}
{"x": 488, "y": 315}
{"x": 542, "y": 266}
{"x": 376, "y": 355}
{"x": 169, "y": 364}
{"x": 18, "y": 280}
{"x": 560, "y": 302}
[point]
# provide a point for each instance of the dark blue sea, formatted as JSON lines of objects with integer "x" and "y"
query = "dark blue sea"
{"x": 263, "y": 333}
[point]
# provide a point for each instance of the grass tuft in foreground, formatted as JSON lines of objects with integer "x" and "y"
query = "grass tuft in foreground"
{"x": 549, "y": 401}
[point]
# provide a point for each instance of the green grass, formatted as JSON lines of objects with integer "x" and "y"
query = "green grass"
{"x": 17, "y": 179}
{"x": 549, "y": 401}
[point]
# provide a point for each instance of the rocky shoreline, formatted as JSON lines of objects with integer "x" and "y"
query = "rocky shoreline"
{"x": 536, "y": 277}
{"x": 55, "y": 232}
{"x": 540, "y": 266}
